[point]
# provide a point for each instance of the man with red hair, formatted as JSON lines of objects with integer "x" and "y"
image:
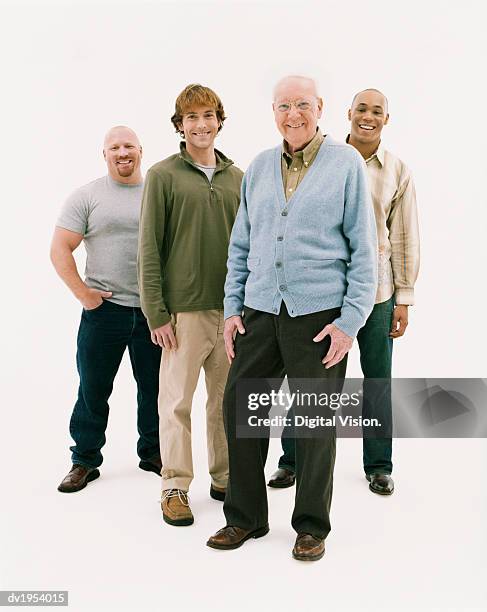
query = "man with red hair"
{"x": 188, "y": 208}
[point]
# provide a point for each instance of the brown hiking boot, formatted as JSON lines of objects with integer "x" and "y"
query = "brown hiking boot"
{"x": 175, "y": 508}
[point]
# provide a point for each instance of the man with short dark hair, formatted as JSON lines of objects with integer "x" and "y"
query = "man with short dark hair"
{"x": 394, "y": 200}
{"x": 104, "y": 214}
{"x": 188, "y": 210}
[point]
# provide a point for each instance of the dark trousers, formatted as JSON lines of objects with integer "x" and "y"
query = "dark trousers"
{"x": 104, "y": 334}
{"x": 275, "y": 345}
{"x": 376, "y": 362}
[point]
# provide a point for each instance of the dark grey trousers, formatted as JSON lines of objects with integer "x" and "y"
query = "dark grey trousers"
{"x": 273, "y": 346}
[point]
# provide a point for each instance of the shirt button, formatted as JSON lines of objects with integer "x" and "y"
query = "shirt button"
{"x": 280, "y": 238}
{"x": 306, "y": 164}
{"x": 290, "y": 189}
{"x": 278, "y": 264}
{"x": 282, "y": 287}
{"x": 274, "y": 310}
{"x": 295, "y": 169}
{"x": 284, "y": 213}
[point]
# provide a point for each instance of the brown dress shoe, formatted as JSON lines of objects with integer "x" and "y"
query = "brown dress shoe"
{"x": 154, "y": 464}
{"x": 77, "y": 478}
{"x": 217, "y": 493}
{"x": 282, "y": 478}
{"x": 175, "y": 508}
{"x": 231, "y": 537}
{"x": 308, "y": 547}
{"x": 380, "y": 483}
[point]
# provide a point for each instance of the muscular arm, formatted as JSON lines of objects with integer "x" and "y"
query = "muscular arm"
{"x": 64, "y": 242}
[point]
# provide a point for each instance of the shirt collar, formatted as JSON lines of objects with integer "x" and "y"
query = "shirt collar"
{"x": 309, "y": 151}
{"x": 221, "y": 160}
{"x": 379, "y": 152}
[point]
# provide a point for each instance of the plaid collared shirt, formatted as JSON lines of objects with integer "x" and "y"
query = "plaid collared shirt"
{"x": 396, "y": 216}
{"x": 294, "y": 167}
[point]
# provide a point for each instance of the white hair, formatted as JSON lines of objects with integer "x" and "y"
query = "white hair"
{"x": 310, "y": 80}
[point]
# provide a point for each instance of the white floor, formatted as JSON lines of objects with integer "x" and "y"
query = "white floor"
{"x": 423, "y": 548}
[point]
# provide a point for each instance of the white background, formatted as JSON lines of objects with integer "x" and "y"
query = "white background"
{"x": 72, "y": 70}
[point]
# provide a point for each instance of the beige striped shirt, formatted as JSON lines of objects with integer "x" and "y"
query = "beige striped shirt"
{"x": 396, "y": 216}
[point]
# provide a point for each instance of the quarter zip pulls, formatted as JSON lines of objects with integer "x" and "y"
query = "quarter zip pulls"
{"x": 222, "y": 162}
{"x": 184, "y": 234}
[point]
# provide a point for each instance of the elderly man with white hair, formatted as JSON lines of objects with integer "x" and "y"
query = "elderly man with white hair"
{"x": 301, "y": 282}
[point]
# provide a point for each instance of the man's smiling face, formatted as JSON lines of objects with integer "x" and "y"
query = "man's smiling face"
{"x": 297, "y": 109}
{"x": 200, "y": 126}
{"x": 368, "y": 116}
{"x": 123, "y": 154}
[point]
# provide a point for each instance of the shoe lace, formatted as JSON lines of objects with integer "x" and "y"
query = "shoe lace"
{"x": 183, "y": 496}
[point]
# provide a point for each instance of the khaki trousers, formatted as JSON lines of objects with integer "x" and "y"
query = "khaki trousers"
{"x": 200, "y": 344}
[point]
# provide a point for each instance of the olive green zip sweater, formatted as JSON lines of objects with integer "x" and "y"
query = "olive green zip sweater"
{"x": 185, "y": 226}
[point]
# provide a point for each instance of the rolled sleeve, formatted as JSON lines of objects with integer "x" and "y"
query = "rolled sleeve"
{"x": 404, "y": 239}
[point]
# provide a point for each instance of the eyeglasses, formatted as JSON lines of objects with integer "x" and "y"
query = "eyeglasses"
{"x": 300, "y": 105}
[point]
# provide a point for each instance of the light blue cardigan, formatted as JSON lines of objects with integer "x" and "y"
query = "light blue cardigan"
{"x": 316, "y": 251}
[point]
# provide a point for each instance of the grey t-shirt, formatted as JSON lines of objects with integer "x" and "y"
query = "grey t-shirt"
{"x": 107, "y": 214}
{"x": 208, "y": 170}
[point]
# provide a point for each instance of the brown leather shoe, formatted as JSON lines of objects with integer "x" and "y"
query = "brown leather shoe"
{"x": 175, "y": 508}
{"x": 217, "y": 493}
{"x": 380, "y": 483}
{"x": 282, "y": 478}
{"x": 231, "y": 537}
{"x": 77, "y": 478}
{"x": 308, "y": 548}
{"x": 154, "y": 464}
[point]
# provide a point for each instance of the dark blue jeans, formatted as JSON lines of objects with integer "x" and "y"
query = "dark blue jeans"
{"x": 104, "y": 334}
{"x": 376, "y": 361}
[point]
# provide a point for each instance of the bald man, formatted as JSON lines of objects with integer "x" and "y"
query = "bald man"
{"x": 302, "y": 266}
{"x": 394, "y": 199}
{"x": 104, "y": 214}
